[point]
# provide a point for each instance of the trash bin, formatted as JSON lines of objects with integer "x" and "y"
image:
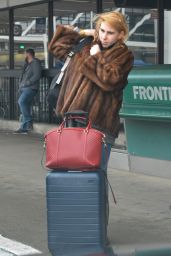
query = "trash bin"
{"x": 147, "y": 112}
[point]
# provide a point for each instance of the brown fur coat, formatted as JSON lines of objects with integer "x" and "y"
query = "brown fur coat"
{"x": 93, "y": 83}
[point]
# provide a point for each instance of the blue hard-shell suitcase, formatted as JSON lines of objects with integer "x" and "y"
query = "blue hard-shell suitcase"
{"x": 76, "y": 212}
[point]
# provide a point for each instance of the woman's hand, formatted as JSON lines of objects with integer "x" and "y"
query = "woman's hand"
{"x": 84, "y": 32}
{"x": 89, "y": 32}
{"x": 95, "y": 49}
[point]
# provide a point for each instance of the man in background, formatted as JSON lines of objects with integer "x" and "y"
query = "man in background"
{"x": 28, "y": 88}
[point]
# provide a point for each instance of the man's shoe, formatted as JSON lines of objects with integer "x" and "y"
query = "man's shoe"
{"x": 29, "y": 126}
{"x": 21, "y": 131}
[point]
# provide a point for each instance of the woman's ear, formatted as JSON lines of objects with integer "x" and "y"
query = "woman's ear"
{"x": 121, "y": 35}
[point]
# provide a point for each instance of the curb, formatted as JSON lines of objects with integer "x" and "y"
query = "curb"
{"x": 42, "y": 128}
{"x": 39, "y": 128}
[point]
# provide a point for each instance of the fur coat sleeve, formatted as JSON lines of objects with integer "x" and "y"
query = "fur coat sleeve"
{"x": 109, "y": 69}
{"x": 62, "y": 42}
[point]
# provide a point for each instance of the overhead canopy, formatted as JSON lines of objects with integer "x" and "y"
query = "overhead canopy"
{"x": 142, "y": 3}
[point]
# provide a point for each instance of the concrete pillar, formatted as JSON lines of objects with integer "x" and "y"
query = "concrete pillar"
{"x": 167, "y": 38}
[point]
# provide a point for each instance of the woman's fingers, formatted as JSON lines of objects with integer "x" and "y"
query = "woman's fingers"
{"x": 95, "y": 49}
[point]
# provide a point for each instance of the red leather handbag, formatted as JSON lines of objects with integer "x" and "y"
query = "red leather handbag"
{"x": 74, "y": 148}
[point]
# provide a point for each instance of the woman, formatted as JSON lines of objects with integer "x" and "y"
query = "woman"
{"x": 96, "y": 76}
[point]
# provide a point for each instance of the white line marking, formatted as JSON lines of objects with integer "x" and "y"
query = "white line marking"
{"x": 4, "y": 253}
{"x": 16, "y": 248}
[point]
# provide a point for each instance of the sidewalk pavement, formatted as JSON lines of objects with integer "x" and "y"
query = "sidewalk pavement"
{"x": 142, "y": 215}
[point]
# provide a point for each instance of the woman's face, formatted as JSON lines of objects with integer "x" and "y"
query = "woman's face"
{"x": 108, "y": 35}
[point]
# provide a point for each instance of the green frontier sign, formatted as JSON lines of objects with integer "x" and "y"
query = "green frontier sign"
{"x": 149, "y": 85}
{"x": 146, "y": 94}
{"x": 146, "y": 109}
{"x": 151, "y": 93}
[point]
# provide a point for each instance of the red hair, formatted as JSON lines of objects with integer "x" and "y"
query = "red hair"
{"x": 115, "y": 19}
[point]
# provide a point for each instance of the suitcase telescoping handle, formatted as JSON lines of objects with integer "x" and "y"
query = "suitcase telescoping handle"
{"x": 75, "y": 122}
{"x": 76, "y": 119}
{"x": 79, "y": 113}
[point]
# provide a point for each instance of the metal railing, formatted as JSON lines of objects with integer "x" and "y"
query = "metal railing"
{"x": 9, "y": 85}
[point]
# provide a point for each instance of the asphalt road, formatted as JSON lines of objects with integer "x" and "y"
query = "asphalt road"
{"x": 22, "y": 190}
{"x": 142, "y": 215}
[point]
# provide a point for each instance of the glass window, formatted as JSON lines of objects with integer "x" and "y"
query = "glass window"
{"x": 73, "y": 12}
{"x": 142, "y": 39}
{"x": 31, "y": 31}
{"x": 108, "y": 5}
{"x": 143, "y": 35}
{"x": 4, "y": 40}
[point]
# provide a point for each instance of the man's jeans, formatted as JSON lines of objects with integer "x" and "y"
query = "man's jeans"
{"x": 25, "y": 102}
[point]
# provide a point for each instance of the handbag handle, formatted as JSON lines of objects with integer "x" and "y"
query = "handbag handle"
{"x": 59, "y": 130}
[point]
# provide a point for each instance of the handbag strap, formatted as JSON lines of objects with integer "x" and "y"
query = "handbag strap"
{"x": 110, "y": 186}
{"x": 105, "y": 173}
{"x": 75, "y": 49}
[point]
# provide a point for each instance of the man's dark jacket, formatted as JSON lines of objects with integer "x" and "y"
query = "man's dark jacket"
{"x": 31, "y": 75}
